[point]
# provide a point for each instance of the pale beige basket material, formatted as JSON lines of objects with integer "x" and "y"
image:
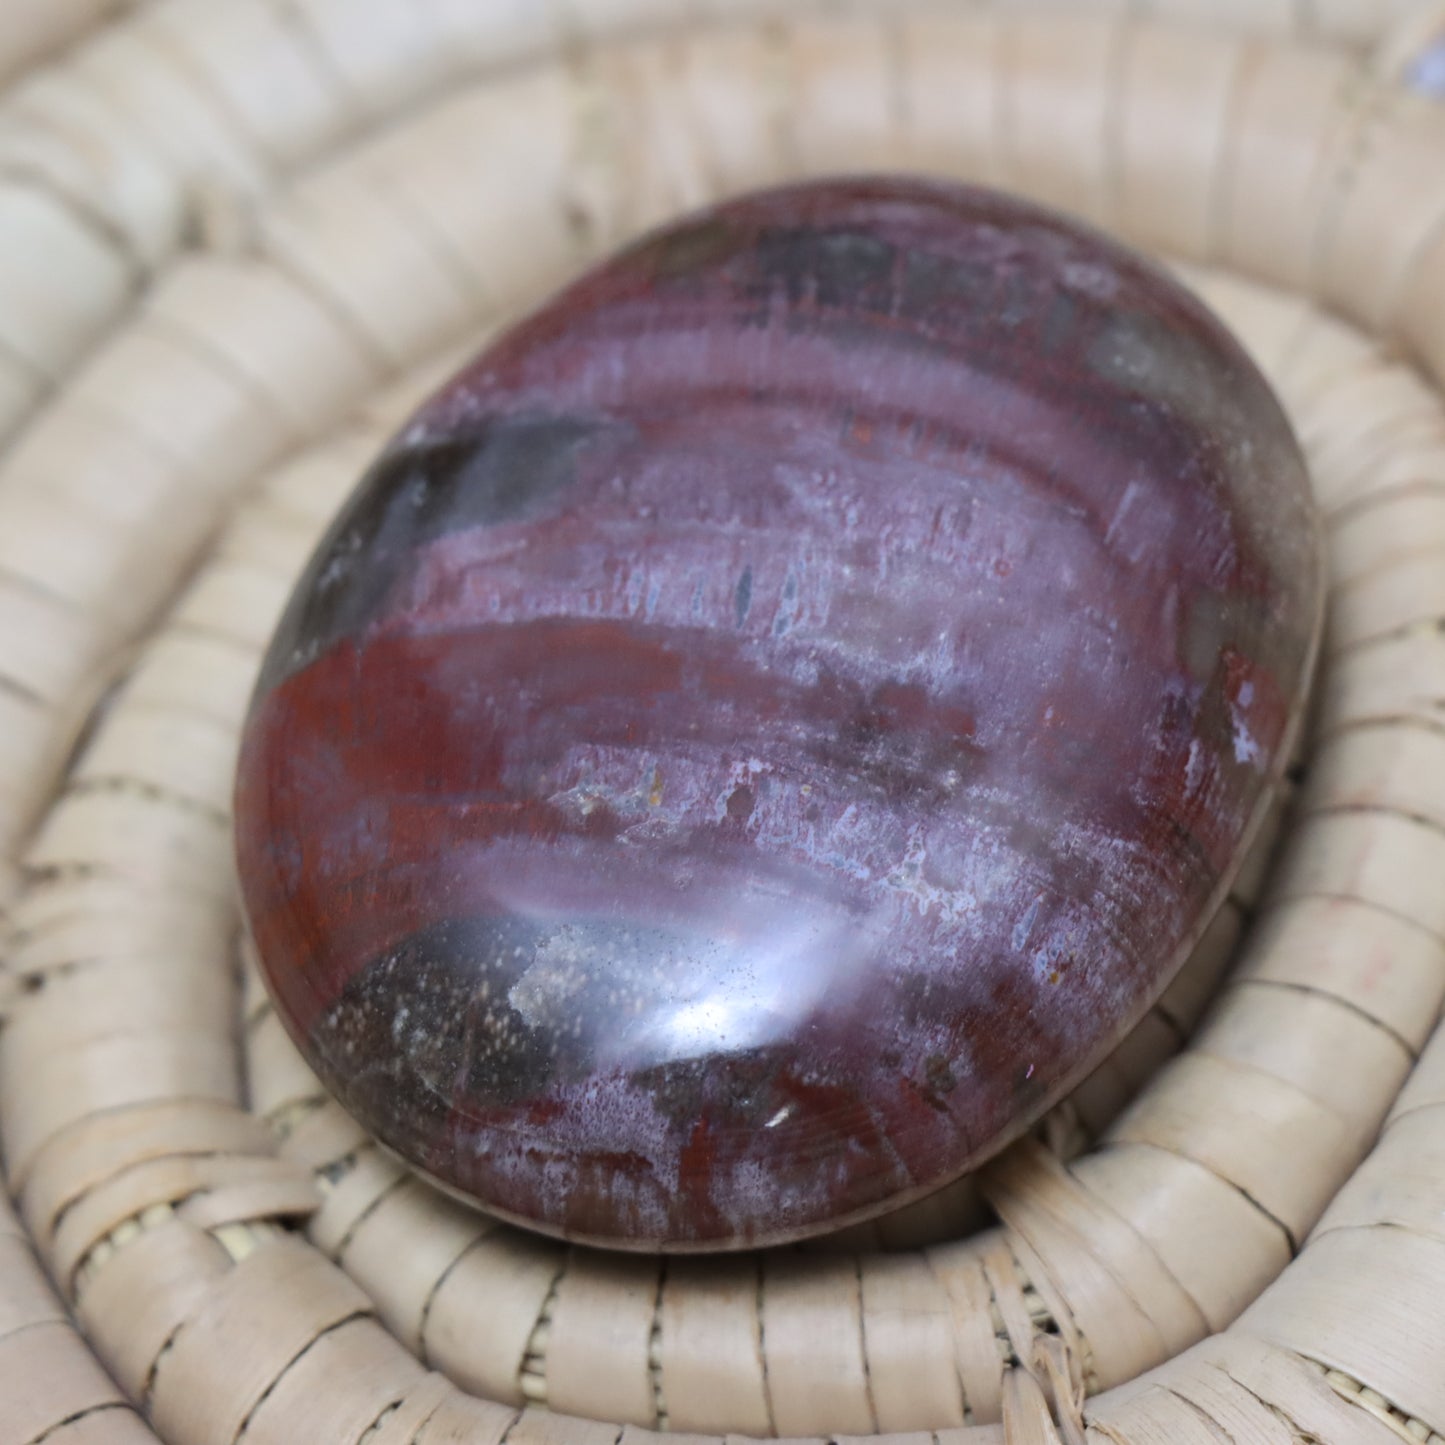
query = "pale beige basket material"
{"x": 35, "y": 29}
{"x": 158, "y": 1202}
{"x": 1411, "y": 49}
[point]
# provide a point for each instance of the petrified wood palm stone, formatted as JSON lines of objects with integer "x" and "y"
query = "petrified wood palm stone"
{"x": 774, "y": 720}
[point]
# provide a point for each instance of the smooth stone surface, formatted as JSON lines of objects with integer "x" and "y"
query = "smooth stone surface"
{"x": 770, "y": 724}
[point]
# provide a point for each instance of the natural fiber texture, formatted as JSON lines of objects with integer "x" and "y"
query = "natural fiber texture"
{"x": 1411, "y": 52}
{"x": 237, "y": 240}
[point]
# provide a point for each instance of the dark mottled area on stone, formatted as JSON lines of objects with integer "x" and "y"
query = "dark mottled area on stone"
{"x": 467, "y": 980}
{"x": 457, "y": 976}
{"x": 501, "y": 470}
{"x": 827, "y": 268}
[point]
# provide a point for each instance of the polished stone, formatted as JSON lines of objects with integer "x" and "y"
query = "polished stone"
{"x": 773, "y": 721}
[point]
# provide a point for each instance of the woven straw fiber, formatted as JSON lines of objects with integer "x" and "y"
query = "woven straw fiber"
{"x": 238, "y": 239}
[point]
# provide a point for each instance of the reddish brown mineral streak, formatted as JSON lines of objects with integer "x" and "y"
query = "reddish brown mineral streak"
{"x": 770, "y": 724}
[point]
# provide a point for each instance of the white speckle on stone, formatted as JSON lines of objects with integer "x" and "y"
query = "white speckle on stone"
{"x": 1025, "y": 926}
{"x": 1195, "y": 769}
{"x": 1246, "y": 748}
{"x": 1099, "y": 282}
{"x": 1246, "y": 745}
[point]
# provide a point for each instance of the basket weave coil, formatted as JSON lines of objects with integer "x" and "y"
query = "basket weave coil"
{"x": 239, "y": 239}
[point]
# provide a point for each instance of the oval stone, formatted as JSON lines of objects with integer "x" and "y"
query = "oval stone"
{"x": 770, "y": 724}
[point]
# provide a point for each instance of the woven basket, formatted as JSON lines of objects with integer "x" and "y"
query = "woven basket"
{"x": 238, "y": 238}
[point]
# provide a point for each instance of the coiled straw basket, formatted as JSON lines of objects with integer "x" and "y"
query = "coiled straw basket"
{"x": 237, "y": 238}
